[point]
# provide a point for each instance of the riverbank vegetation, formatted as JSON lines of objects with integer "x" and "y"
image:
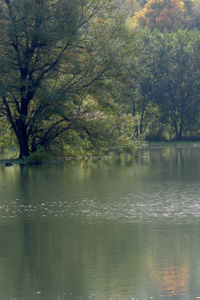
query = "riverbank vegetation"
{"x": 97, "y": 77}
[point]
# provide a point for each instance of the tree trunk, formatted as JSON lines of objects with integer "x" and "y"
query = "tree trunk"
{"x": 179, "y": 132}
{"x": 141, "y": 122}
{"x": 141, "y": 129}
{"x": 22, "y": 138}
{"x": 176, "y": 129}
{"x": 136, "y": 127}
{"x": 179, "y": 136}
{"x": 136, "y": 131}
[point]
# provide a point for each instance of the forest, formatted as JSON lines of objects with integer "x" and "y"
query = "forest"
{"x": 84, "y": 78}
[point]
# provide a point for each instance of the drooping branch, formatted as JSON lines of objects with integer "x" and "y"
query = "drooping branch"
{"x": 51, "y": 133}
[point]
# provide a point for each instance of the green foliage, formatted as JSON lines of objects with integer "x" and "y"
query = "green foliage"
{"x": 192, "y": 14}
{"x": 7, "y": 138}
{"x": 169, "y": 83}
{"x": 110, "y": 135}
{"x": 61, "y": 64}
{"x": 38, "y": 157}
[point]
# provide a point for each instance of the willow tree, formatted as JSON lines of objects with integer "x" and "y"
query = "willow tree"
{"x": 53, "y": 56}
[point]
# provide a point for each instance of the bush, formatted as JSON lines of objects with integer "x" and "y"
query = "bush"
{"x": 38, "y": 157}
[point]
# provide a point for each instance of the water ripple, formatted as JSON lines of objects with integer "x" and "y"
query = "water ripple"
{"x": 171, "y": 203}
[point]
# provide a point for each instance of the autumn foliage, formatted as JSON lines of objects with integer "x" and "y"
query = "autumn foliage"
{"x": 161, "y": 14}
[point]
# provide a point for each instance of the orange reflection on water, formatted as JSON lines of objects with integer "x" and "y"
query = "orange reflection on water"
{"x": 170, "y": 279}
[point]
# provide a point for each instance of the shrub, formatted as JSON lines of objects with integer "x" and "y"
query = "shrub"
{"x": 38, "y": 157}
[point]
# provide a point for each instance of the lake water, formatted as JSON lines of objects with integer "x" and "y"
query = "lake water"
{"x": 102, "y": 230}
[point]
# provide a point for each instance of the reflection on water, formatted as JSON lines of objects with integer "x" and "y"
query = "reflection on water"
{"x": 102, "y": 230}
{"x": 168, "y": 260}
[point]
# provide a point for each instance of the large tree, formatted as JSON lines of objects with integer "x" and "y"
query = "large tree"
{"x": 55, "y": 58}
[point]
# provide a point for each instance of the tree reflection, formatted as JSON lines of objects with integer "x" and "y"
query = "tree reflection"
{"x": 169, "y": 261}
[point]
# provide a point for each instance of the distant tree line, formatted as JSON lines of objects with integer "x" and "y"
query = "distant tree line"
{"x": 166, "y": 92}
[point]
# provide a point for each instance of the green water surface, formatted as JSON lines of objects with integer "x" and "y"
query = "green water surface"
{"x": 102, "y": 230}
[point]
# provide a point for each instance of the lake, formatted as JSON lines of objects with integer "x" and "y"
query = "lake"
{"x": 102, "y": 229}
